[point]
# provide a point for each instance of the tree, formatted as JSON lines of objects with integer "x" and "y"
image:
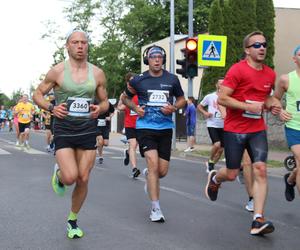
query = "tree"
{"x": 215, "y": 27}
{"x": 265, "y": 22}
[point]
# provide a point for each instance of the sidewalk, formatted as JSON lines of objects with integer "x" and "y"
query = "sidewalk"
{"x": 181, "y": 146}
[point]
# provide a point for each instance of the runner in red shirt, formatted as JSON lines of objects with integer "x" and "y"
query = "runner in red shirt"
{"x": 246, "y": 93}
{"x": 130, "y": 132}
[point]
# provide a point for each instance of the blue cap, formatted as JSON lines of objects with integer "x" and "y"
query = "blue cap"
{"x": 296, "y": 50}
{"x": 155, "y": 50}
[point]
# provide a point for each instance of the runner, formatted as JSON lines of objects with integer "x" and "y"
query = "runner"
{"x": 76, "y": 83}
{"x": 289, "y": 84}
{"x": 48, "y": 121}
{"x": 130, "y": 131}
{"x": 191, "y": 120}
{"x": 155, "y": 89}
{"x": 215, "y": 124}
{"x": 10, "y": 118}
{"x": 3, "y": 114}
{"x": 103, "y": 131}
{"x": 245, "y": 93}
{"x": 16, "y": 124}
{"x": 25, "y": 111}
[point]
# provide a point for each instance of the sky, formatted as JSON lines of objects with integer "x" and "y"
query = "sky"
{"x": 24, "y": 55}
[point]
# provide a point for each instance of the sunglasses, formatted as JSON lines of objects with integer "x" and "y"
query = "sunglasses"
{"x": 257, "y": 45}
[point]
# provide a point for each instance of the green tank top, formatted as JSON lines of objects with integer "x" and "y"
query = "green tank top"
{"x": 293, "y": 100}
{"x": 78, "y": 96}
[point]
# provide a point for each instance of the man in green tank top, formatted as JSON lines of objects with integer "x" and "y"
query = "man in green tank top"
{"x": 289, "y": 84}
{"x": 76, "y": 84}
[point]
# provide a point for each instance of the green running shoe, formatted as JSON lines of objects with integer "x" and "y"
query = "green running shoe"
{"x": 57, "y": 186}
{"x": 74, "y": 232}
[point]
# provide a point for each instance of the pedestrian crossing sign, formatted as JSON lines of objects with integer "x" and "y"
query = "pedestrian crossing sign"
{"x": 212, "y": 50}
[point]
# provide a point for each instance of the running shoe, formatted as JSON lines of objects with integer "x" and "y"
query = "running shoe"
{"x": 73, "y": 231}
{"x": 135, "y": 172}
{"x": 187, "y": 150}
{"x": 289, "y": 189}
{"x": 145, "y": 173}
{"x": 124, "y": 140}
{"x": 209, "y": 166}
{"x": 156, "y": 215}
{"x": 100, "y": 160}
{"x": 58, "y": 187}
{"x": 260, "y": 227}
{"x": 27, "y": 146}
{"x": 240, "y": 177}
{"x": 250, "y": 206}
{"x": 126, "y": 157}
{"x": 211, "y": 189}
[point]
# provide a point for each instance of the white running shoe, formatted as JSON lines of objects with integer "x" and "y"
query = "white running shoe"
{"x": 156, "y": 215}
{"x": 250, "y": 206}
{"x": 145, "y": 173}
{"x": 187, "y": 150}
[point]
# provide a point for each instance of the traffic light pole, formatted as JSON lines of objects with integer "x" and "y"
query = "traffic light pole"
{"x": 191, "y": 34}
{"x": 172, "y": 62}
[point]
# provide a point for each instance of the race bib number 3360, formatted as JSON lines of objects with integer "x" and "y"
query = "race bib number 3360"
{"x": 78, "y": 106}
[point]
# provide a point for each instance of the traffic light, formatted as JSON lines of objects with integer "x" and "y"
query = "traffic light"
{"x": 182, "y": 62}
{"x": 191, "y": 54}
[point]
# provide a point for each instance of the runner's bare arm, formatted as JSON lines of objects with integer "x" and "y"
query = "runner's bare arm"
{"x": 43, "y": 88}
{"x": 101, "y": 94}
{"x": 226, "y": 100}
{"x": 126, "y": 98}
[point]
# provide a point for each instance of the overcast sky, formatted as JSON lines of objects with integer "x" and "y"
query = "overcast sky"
{"x": 24, "y": 55}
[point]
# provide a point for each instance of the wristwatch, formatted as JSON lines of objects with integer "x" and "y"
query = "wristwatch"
{"x": 50, "y": 107}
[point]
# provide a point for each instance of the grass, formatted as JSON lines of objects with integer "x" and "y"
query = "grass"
{"x": 206, "y": 153}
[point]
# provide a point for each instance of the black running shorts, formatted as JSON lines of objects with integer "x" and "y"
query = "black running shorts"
{"x": 23, "y": 126}
{"x": 235, "y": 144}
{"x": 160, "y": 140}
{"x": 216, "y": 135}
{"x": 130, "y": 133}
{"x": 86, "y": 142}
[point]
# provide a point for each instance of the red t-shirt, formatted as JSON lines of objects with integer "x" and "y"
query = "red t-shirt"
{"x": 249, "y": 85}
{"x": 131, "y": 116}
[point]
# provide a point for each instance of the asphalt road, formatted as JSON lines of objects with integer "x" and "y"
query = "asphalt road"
{"x": 116, "y": 212}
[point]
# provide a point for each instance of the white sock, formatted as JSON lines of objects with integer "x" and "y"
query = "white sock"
{"x": 155, "y": 204}
{"x": 215, "y": 180}
{"x": 257, "y": 216}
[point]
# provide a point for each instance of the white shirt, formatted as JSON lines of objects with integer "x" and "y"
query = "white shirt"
{"x": 215, "y": 120}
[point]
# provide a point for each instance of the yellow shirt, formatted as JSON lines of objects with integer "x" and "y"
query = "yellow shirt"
{"x": 24, "y": 111}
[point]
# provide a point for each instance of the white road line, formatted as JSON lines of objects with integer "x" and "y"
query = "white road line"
{"x": 3, "y": 152}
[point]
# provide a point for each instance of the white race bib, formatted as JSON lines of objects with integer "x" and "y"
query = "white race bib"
{"x": 157, "y": 97}
{"x": 78, "y": 106}
{"x": 101, "y": 123}
{"x": 252, "y": 115}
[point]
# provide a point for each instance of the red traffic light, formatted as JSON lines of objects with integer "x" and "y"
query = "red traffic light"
{"x": 191, "y": 44}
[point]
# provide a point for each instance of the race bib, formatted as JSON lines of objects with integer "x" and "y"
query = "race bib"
{"x": 25, "y": 116}
{"x": 157, "y": 97}
{"x": 218, "y": 115}
{"x": 78, "y": 106}
{"x": 252, "y": 115}
{"x": 101, "y": 123}
{"x": 132, "y": 113}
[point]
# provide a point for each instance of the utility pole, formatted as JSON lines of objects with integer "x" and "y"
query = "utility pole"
{"x": 191, "y": 34}
{"x": 172, "y": 62}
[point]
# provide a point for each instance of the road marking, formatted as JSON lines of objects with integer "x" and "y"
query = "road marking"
{"x": 3, "y": 152}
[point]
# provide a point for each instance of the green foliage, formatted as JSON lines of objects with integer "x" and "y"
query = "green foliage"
{"x": 216, "y": 27}
{"x": 239, "y": 19}
{"x": 265, "y": 22}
